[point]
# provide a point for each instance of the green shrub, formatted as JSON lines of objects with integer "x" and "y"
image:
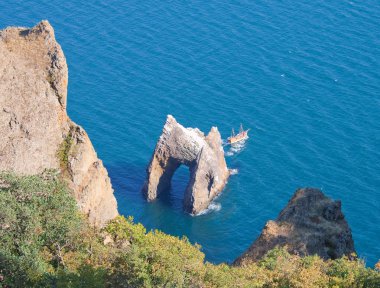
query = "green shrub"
{"x": 45, "y": 242}
{"x": 152, "y": 259}
{"x": 38, "y": 220}
{"x": 63, "y": 153}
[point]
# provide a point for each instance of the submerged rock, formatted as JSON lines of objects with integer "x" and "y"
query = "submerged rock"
{"x": 204, "y": 156}
{"x": 36, "y": 133}
{"x": 310, "y": 224}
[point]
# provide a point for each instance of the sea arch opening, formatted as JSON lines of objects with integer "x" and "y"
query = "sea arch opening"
{"x": 174, "y": 194}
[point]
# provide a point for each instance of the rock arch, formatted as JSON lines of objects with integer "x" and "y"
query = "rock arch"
{"x": 204, "y": 155}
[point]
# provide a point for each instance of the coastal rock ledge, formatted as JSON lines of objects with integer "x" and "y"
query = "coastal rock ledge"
{"x": 36, "y": 132}
{"x": 310, "y": 224}
{"x": 204, "y": 155}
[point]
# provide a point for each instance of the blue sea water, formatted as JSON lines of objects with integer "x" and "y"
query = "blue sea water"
{"x": 303, "y": 75}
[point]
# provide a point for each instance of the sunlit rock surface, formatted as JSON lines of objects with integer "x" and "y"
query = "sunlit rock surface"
{"x": 310, "y": 224}
{"x": 204, "y": 155}
{"x": 36, "y": 133}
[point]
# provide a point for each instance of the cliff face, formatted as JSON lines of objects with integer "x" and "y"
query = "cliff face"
{"x": 36, "y": 133}
{"x": 204, "y": 156}
{"x": 310, "y": 224}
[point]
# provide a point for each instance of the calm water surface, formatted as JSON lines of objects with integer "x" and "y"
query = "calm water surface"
{"x": 303, "y": 75}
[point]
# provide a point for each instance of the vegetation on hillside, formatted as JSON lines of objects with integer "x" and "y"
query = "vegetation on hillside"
{"x": 45, "y": 242}
{"x": 63, "y": 153}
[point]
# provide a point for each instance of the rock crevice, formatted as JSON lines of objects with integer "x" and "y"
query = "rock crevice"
{"x": 204, "y": 155}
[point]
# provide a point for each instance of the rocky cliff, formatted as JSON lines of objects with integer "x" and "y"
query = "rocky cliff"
{"x": 203, "y": 155}
{"x": 36, "y": 133}
{"x": 310, "y": 224}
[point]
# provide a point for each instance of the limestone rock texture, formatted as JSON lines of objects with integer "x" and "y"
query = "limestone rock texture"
{"x": 204, "y": 155}
{"x": 310, "y": 224}
{"x": 36, "y": 132}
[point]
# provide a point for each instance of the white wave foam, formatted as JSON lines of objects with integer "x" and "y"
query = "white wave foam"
{"x": 212, "y": 207}
{"x": 236, "y": 148}
{"x": 234, "y": 171}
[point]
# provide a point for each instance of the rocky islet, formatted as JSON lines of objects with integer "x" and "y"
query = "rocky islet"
{"x": 204, "y": 155}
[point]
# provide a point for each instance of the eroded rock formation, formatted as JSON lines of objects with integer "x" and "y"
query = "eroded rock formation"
{"x": 203, "y": 155}
{"x": 310, "y": 224}
{"x": 36, "y": 133}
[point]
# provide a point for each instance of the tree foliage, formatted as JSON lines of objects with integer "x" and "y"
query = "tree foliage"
{"x": 45, "y": 242}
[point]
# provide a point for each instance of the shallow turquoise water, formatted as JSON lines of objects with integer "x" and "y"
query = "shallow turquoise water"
{"x": 303, "y": 75}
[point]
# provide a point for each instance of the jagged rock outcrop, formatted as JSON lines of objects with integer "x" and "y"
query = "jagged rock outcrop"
{"x": 310, "y": 224}
{"x": 36, "y": 133}
{"x": 204, "y": 155}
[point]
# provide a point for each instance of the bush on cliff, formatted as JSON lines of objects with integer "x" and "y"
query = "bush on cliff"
{"x": 39, "y": 220}
{"x": 45, "y": 242}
